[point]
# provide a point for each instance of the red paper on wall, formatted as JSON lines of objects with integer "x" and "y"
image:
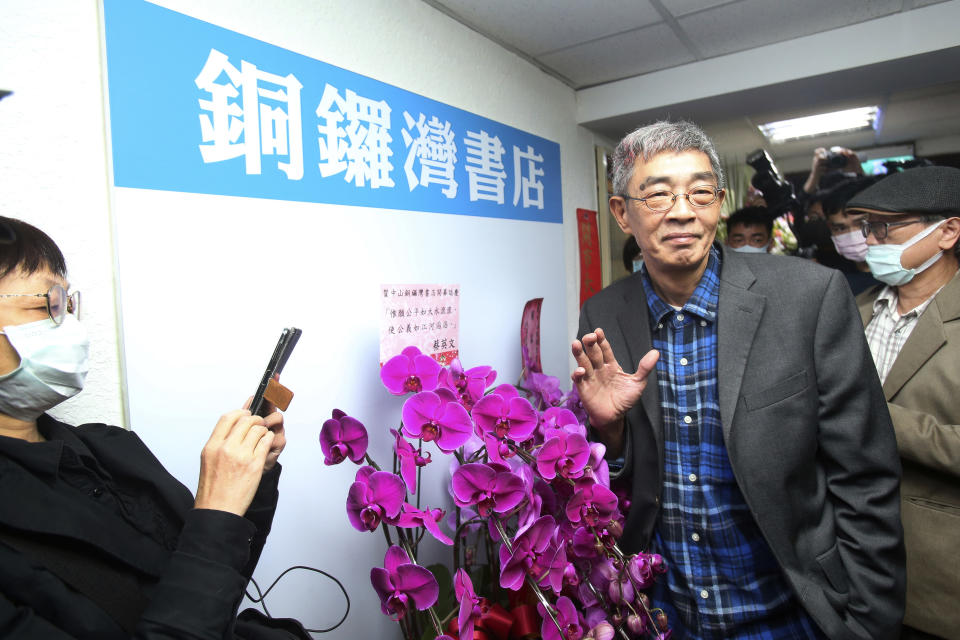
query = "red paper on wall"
{"x": 591, "y": 276}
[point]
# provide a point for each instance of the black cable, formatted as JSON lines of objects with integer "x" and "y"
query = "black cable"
{"x": 263, "y": 595}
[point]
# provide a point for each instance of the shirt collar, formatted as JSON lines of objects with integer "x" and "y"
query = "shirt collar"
{"x": 703, "y": 302}
{"x": 43, "y": 457}
{"x": 887, "y": 299}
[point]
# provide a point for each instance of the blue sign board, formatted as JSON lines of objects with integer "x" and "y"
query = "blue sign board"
{"x": 200, "y": 109}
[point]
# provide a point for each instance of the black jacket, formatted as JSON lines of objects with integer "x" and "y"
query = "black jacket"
{"x": 191, "y": 565}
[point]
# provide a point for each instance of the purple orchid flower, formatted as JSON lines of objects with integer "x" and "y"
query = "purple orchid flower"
{"x": 644, "y": 567}
{"x": 402, "y": 584}
{"x": 410, "y": 518}
{"x": 572, "y": 402}
{"x": 505, "y": 414}
{"x": 470, "y": 610}
{"x": 597, "y": 467}
{"x": 592, "y": 504}
{"x": 600, "y": 629}
{"x": 410, "y": 460}
{"x": 560, "y": 418}
{"x": 427, "y": 416}
{"x": 564, "y": 454}
{"x": 410, "y": 371}
{"x": 568, "y": 619}
{"x": 544, "y": 389}
{"x": 342, "y": 437}
{"x": 469, "y": 385}
{"x": 585, "y": 545}
{"x": 549, "y": 566}
{"x": 491, "y": 487}
{"x": 527, "y": 545}
{"x": 375, "y": 496}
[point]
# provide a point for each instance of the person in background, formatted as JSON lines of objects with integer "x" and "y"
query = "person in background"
{"x": 97, "y": 539}
{"x": 750, "y": 230}
{"x": 772, "y": 490}
{"x": 847, "y": 234}
{"x": 912, "y": 323}
{"x": 631, "y": 255}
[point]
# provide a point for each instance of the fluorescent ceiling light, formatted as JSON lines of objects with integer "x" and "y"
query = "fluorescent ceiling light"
{"x": 821, "y": 124}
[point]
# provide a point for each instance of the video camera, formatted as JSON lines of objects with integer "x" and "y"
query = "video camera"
{"x": 777, "y": 192}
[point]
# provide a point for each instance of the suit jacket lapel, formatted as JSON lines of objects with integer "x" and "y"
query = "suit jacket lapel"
{"x": 634, "y": 323}
{"x": 738, "y": 317}
{"x": 925, "y": 339}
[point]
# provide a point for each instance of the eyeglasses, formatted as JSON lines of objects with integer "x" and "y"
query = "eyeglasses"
{"x": 881, "y": 229}
{"x": 59, "y": 304}
{"x": 662, "y": 201}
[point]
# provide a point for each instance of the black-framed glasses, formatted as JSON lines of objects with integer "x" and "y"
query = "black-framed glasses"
{"x": 702, "y": 195}
{"x": 59, "y": 302}
{"x": 881, "y": 229}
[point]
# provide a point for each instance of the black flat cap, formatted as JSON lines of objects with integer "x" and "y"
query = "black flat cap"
{"x": 923, "y": 190}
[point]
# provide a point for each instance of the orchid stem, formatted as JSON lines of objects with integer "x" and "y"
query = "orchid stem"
{"x": 370, "y": 461}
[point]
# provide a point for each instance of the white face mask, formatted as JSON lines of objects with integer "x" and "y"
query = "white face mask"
{"x": 53, "y": 366}
{"x": 884, "y": 259}
{"x": 747, "y": 248}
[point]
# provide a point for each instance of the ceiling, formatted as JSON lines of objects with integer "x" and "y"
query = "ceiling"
{"x": 593, "y": 44}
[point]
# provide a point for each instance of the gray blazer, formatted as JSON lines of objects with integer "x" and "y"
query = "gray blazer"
{"x": 806, "y": 428}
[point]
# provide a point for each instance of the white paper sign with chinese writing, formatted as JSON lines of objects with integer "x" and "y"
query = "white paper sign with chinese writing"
{"x": 426, "y": 316}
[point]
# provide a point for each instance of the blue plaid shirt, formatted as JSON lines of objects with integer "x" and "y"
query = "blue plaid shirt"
{"x": 723, "y": 581}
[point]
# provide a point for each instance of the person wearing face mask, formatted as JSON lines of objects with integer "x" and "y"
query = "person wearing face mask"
{"x": 912, "y": 325}
{"x": 750, "y": 230}
{"x": 97, "y": 539}
{"x": 846, "y": 233}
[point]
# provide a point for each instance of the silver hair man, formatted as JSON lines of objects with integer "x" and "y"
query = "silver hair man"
{"x": 658, "y": 137}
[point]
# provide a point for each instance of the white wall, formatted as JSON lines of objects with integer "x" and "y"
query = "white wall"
{"x": 53, "y": 168}
{"x": 53, "y": 159}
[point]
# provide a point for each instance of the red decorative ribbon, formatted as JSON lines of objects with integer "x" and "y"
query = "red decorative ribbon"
{"x": 496, "y": 623}
{"x": 591, "y": 275}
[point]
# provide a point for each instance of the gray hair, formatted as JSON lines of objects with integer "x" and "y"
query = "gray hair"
{"x": 653, "y": 139}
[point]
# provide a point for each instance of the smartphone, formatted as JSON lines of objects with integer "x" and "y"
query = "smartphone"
{"x": 288, "y": 340}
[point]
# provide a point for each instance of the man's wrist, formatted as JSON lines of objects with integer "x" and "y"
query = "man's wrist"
{"x": 611, "y": 435}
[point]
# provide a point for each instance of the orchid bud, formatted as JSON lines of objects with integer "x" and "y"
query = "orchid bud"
{"x": 615, "y": 528}
{"x": 644, "y": 600}
{"x": 661, "y": 618}
{"x": 616, "y": 619}
{"x": 637, "y": 624}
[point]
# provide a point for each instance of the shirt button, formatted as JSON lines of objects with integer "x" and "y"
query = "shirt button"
{"x": 684, "y": 361}
{"x": 695, "y": 537}
{"x": 703, "y": 323}
{"x": 692, "y": 477}
{"x": 687, "y": 419}
{"x": 97, "y": 492}
{"x": 659, "y": 325}
{"x": 680, "y": 317}
{"x": 704, "y": 594}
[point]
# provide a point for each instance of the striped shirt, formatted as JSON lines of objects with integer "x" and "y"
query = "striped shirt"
{"x": 887, "y": 330}
{"x": 723, "y": 581}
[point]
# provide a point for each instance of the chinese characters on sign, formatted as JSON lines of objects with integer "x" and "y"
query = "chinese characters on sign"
{"x": 426, "y": 316}
{"x": 264, "y": 121}
{"x": 225, "y": 114}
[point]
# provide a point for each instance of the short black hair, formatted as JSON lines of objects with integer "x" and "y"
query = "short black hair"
{"x": 31, "y": 250}
{"x": 751, "y": 216}
{"x": 630, "y": 251}
{"x": 836, "y": 197}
